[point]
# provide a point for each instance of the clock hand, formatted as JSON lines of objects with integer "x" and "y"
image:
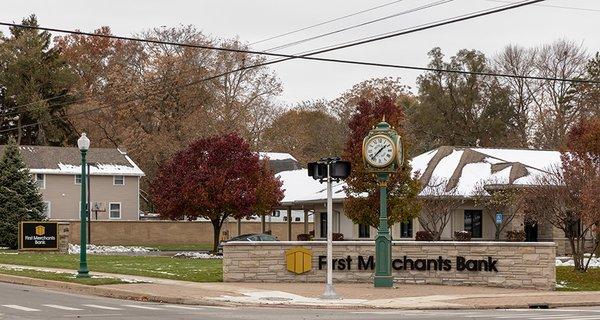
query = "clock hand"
{"x": 376, "y": 153}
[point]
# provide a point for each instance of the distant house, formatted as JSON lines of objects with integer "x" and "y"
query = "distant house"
{"x": 458, "y": 171}
{"x": 114, "y": 181}
{"x": 279, "y": 162}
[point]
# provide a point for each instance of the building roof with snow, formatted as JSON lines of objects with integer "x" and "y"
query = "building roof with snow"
{"x": 279, "y": 162}
{"x": 276, "y": 156}
{"x": 459, "y": 170}
{"x": 455, "y": 171}
{"x": 67, "y": 160}
{"x": 299, "y": 187}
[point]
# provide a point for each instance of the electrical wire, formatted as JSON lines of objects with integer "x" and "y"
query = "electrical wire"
{"x": 325, "y": 22}
{"x": 291, "y": 44}
{"x": 553, "y": 6}
{"x": 286, "y": 56}
{"x": 289, "y": 57}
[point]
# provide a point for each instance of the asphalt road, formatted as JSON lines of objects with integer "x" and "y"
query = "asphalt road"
{"x": 23, "y": 302}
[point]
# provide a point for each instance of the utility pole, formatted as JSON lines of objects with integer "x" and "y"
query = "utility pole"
{"x": 329, "y": 169}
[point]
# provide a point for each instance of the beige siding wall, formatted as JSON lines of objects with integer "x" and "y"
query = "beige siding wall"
{"x": 174, "y": 232}
{"x": 64, "y": 196}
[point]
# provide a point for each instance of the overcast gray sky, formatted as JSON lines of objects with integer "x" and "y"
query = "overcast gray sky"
{"x": 255, "y": 20}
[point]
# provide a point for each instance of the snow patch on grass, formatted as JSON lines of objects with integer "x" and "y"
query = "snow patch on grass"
{"x": 197, "y": 255}
{"x": 94, "y": 249}
{"x": 568, "y": 262}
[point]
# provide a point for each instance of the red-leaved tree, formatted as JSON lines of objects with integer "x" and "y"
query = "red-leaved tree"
{"x": 568, "y": 197}
{"x": 402, "y": 188}
{"x": 216, "y": 178}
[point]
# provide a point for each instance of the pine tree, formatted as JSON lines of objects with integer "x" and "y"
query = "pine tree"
{"x": 34, "y": 73}
{"x": 19, "y": 197}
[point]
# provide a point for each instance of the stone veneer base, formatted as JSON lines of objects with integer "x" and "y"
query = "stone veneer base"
{"x": 519, "y": 264}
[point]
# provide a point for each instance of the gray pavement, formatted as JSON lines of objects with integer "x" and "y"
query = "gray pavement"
{"x": 24, "y": 302}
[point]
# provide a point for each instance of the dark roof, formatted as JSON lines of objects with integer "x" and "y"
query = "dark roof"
{"x": 45, "y": 157}
{"x": 278, "y": 166}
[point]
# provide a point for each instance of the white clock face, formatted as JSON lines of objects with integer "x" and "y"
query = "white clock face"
{"x": 379, "y": 151}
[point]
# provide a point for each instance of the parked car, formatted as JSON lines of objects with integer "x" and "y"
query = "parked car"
{"x": 252, "y": 237}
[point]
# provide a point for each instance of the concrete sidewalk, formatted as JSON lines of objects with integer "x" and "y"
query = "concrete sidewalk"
{"x": 307, "y": 294}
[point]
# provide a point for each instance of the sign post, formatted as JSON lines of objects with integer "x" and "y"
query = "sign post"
{"x": 382, "y": 155}
{"x": 329, "y": 169}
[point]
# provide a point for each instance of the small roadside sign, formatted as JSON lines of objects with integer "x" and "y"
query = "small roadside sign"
{"x": 499, "y": 217}
{"x": 38, "y": 235}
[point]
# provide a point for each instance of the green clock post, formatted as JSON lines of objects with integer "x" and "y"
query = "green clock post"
{"x": 382, "y": 155}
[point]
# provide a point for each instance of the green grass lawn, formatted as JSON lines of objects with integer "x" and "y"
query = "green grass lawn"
{"x": 59, "y": 276}
{"x": 570, "y": 280}
{"x": 198, "y": 270}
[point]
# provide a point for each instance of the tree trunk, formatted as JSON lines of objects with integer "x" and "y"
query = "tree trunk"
{"x": 497, "y": 234}
{"x": 577, "y": 256}
{"x": 216, "y": 233}
{"x": 591, "y": 255}
{"x": 19, "y": 135}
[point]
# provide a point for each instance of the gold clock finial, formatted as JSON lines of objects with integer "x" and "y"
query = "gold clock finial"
{"x": 383, "y": 118}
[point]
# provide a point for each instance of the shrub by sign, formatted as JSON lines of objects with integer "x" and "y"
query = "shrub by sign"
{"x": 35, "y": 235}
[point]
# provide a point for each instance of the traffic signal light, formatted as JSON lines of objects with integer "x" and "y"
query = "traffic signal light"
{"x": 339, "y": 169}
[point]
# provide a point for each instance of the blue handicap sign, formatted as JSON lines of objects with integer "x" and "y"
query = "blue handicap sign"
{"x": 499, "y": 217}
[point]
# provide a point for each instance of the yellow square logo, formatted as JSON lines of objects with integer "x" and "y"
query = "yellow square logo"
{"x": 298, "y": 260}
{"x": 40, "y": 230}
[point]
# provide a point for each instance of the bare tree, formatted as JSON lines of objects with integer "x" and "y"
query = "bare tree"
{"x": 557, "y": 200}
{"x": 524, "y": 92}
{"x": 557, "y": 108}
{"x": 496, "y": 197}
{"x": 437, "y": 207}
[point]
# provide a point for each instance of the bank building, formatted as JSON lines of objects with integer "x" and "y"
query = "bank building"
{"x": 456, "y": 172}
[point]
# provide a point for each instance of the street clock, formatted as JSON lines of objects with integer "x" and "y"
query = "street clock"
{"x": 382, "y": 149}
{"x": 382, "y": 155}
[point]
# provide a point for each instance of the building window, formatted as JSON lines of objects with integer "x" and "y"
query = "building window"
{"x": 473, "y": 222}
{"x": 276, "y": 213}
{"x": 284, "y": 218}
{"x": 297, "y": 219}
{"x": 323, "y": 223}
{"x": 119, "y": 180}
{"x": 574, "y": 228}
{"x": 40, "y": 180}
{"x": 47, "y": 209}
{"x": 364, "y": 231}
{"x": 406, "y": 229}
{"x": 77, "y": 179}
{"x": 115, "y": 210}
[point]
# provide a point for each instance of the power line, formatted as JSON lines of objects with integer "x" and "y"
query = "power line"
{"x": 393, "y": 32}
{"x": 326, "y": 22}
{"x": 287, "y": 57}
{"x": 364, "y": 63}
{"x": 553, "y": 6}
{"x": 292, "y": 43}
{"x": 430, "y": 5}
{"x": 306, "y": 57}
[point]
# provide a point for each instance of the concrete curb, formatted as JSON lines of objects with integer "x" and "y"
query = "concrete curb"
{"x": 136, "y": 296}
{"x": 105, "y": 292}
